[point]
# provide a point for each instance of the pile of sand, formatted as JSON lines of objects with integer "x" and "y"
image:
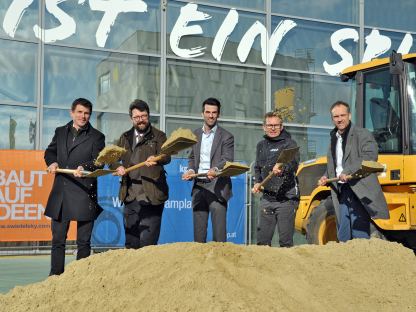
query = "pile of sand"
{"x": 361, "y": 275}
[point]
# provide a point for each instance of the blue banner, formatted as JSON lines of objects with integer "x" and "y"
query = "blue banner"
{"x": 177, "y": 216}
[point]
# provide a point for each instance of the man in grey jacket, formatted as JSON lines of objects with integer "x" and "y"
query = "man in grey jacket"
{"x": 356, "y": 201}
{"x": 210, "y": 194}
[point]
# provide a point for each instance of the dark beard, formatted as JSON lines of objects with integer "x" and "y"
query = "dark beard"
{"x": 144, "y": 130}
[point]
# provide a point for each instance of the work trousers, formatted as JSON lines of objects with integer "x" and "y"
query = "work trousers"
{"x": 59, "y": 235}
{"x": 353, "y": 220}
{"x": 280, "y": 213}
{"x": 142, "y": 224}
{"x": 203, "y": 203}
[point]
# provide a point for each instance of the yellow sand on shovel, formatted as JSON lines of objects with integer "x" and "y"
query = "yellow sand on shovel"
{"x": 230, "y": 169}
{"x": 180, "y": 139}
{"x": 108, "y": 155}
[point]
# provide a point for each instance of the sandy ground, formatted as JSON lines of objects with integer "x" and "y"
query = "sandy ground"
{"x": 361, "y": 275}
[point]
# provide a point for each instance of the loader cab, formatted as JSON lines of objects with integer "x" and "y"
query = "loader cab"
{"x": 385, "y": 104}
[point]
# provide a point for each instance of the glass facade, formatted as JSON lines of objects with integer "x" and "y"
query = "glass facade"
{"x": 253, "y": 55}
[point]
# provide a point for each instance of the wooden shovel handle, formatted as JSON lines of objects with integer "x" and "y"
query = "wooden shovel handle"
{"x": 349, "y": 177}
{"x": 139, "y": 165}
{"x": 72, "y": 171}
{"x": 197, "y": 175}
{"x": 266, "y": 179}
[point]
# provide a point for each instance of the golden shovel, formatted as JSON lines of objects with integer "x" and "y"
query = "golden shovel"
{"x": 180, "y": 139}
{"x": 230, "y": 169}
{"x": 367, "y": 167}
{"x": 108, "y": 155}
{"x": 285, "y": 156}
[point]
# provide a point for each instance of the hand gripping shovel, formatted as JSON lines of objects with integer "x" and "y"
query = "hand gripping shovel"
{"x": 230, "y": 169}
{"x": 180, "y": 139}
{"x": 108, "y": 155}
{"x": 367, "y": 167}
{"x": 285, "y": 156}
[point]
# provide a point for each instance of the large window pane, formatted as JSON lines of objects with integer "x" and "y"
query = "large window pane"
{"x": 18, "y": 127}
{"x": 307, "y": 96}
{"x": 210, "y": 28}
{"x": 240, "y": 90}
{"x": 308, "y": 45}
{"x": 334, "y": 10}
{"x": 390, "y": 14}
{"x": 313, "y": 142}
{"x": 246, "y": 136}
{"x": 109, "y": 80}
{"x": 19, "y": 24}
{"x": 18, "y": 71}
{"x": 131, "y": 31}
{"x": 112, "y": 125}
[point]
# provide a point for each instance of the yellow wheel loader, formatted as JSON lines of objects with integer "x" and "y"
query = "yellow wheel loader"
{"x": 385, "y": 104}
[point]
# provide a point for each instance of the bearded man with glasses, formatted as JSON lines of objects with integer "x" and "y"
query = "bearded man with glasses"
{"x": 280, "y": 194}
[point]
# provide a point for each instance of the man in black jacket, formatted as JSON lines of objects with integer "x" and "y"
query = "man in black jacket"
{"x": 74, "y": 146}
{"x": 144, "y": 190}
{"x": 280, "y": 195}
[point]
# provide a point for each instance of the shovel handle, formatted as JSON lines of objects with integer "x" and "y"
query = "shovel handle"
{"x": 139, "y": 165}
{"x": 197, "y": 175}
{"x": 349, "y": 177}
{"x": 269, "y": 176}
{"x": 72, "y": 171}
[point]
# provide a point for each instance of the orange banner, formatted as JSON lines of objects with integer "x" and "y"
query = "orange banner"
{"x": 24, "y": 191}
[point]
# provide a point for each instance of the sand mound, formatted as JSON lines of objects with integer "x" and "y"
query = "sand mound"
{"x": 361, "y": 275}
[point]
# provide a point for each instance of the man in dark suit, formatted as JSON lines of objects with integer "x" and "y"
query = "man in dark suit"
{"x": 74, "y": 146}
{"x": 356, "y": 201}
{"x": 210, "y": 194}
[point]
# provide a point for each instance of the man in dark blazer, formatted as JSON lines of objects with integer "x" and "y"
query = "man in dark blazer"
{"x": 356, "y": 201}
{"x": 210, "y": 194}
{"x": 74, "y": 146}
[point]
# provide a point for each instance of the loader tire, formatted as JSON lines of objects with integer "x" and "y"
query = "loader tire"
{"x": 321, "y": 227}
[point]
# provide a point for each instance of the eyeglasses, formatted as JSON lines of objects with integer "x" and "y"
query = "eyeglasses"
{"x": 143, "y": 117}
{"x": 272, "y": 126}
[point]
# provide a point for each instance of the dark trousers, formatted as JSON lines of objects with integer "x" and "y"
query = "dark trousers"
{"x": 353, "y": 220}
{"x": 203, "y": 203}
{"x": 59, "y": 235}
{"x": 142, "y": 224}
{"x": 281, "y": 214}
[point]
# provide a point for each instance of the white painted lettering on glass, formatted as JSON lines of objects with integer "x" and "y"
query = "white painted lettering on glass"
{"x": 406, "y": 44}
{"x": 112, "y": 8}
{"x": 189, "y": 13}
{"x": 223, "y": 34}
{"x": 346, "y": 57}
{"x": 258, "y": 28}
{"x": 65, "y": 30}
{"x": 13, "y": 16}
{"x": 376, "y": 45}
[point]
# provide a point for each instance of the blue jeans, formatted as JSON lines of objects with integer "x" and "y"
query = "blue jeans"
{"x": 353, "y": 220}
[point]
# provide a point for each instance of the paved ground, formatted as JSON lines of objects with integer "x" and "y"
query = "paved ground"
{"x": 23, "y": 270}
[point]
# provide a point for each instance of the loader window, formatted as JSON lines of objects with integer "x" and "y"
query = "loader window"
{"x": 382, "y": 110}
{"x": 411, "y": 93}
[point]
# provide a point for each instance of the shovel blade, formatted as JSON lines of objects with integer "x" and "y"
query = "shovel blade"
{"x": 99, "y": 172}
{"x": 287, "y": 155}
